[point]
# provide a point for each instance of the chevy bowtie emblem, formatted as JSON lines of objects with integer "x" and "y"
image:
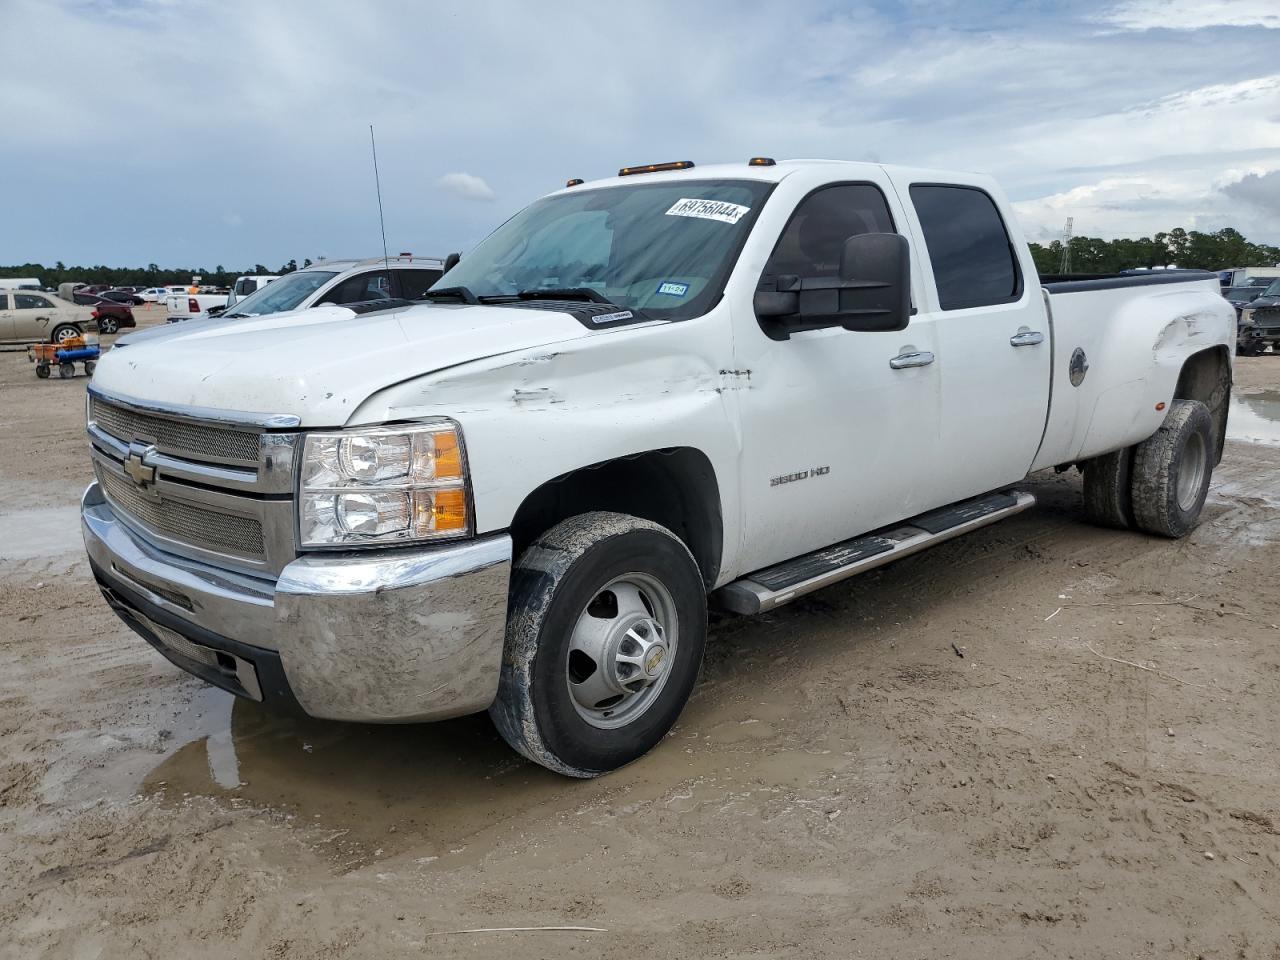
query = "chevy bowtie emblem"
{"x": 135, "y": 465}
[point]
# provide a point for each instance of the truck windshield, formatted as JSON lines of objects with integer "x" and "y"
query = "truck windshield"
{"x": 283, "y": 294}
{"x": 662, "y": 248}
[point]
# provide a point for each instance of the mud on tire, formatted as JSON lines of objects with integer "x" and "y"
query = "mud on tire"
{"x": 554, "y": 582}
{"x": 1108, "y": 483}
{"x": 1172, "y": 469}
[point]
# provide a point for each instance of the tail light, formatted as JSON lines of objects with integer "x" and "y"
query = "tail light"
{"x": 94, "y": 314}
{"x": 193, "y": 305}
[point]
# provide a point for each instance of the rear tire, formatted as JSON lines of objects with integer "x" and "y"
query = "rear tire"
{"x": 1108, "y": 499}
{"x": 584, "y": 688}
{"x": 108, "y": 325}
{"x": 64, "y": 331}
{"x": 1172, "y": 470}
{"x": 42, "y": 371}
{"x": 66, "y": 369}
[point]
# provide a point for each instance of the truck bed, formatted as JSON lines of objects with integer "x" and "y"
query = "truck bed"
{"x": 1078, "y": 282}
{"x": 1119, "y": 342}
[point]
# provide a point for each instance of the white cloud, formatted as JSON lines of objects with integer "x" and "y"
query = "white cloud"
{"x": 1261, "y": 190}
{"x": 1045, "y": 97}
{"x": 1193, "y": 14}
{"x": 1151, "y": 191}
{"x": 466, "y": 185}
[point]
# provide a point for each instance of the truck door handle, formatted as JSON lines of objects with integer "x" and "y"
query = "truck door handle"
{"x": 1027, "y": 338}
{"x": 904, "y": 360}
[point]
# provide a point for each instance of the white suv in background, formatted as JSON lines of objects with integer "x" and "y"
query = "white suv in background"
{"x": 339, "y": 283}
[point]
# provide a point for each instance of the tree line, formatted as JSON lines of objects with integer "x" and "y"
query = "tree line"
{"x": 1189, "y": 249}
{"x": 151, "y": 275}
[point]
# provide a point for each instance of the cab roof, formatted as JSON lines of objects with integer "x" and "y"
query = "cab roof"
{"x": 772, "y": 173}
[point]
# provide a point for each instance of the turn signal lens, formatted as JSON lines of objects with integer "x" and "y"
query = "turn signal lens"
{"x": 440, "y": 512}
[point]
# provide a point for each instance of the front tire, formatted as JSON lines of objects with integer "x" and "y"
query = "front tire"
{"x": 108, "y": 325}
{"x": 605, "y": 632}
{"x": 1172, "y": 469}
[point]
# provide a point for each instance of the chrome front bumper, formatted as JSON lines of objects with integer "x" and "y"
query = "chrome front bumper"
{"x": 390, "y": 636}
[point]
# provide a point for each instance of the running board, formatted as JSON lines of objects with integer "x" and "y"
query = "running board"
{"x": 782, "y": 583}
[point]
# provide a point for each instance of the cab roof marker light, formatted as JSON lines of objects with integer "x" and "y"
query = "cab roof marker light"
{"x": 762, "y": 162}
{"x": 656, "y": 167}
{"x": 574, "y": 182}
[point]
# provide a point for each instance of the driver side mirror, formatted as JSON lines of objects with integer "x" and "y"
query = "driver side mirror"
{"x": 872, "y": 292}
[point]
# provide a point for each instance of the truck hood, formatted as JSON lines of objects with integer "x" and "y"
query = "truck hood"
{"x": 317, "y": 365}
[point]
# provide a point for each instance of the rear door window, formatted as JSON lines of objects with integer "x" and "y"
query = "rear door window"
{"x": 29, "y": 301}
{"x": 973, "y": 260}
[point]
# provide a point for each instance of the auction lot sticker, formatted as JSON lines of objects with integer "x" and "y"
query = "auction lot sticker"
{"x": 708, "y": 210}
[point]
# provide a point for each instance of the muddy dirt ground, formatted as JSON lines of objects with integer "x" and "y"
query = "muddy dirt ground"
{"x": 842, "y": 783}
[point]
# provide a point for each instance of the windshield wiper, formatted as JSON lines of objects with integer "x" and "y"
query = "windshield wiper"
{"x": 565, "y": 293}
{"x": 451, "y": 293}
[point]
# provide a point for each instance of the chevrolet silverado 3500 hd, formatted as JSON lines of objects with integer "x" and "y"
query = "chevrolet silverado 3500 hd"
{"x": 735, "y": 384}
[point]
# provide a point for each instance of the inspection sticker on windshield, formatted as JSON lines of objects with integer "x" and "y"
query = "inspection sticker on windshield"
{"x": 708, "y": 210}
{"x": 672, "y": 289}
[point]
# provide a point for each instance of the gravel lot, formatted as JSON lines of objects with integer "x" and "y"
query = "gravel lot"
{"x": 842, "y": 783}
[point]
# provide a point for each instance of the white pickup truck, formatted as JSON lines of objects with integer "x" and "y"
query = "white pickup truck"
{"x": 184, "y": 304}
{"x": 731, "y": 384}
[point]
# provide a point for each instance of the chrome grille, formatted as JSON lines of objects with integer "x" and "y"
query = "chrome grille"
{"x": 184, "y": 522}
{"x": 194, "y": 440}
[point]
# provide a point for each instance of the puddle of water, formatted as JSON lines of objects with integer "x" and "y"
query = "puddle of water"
{"x": 40, "y": 532}
{"x": 1255, "y": 418}
{"x": 448, "y": 793}
{"x": 429, "y": 787}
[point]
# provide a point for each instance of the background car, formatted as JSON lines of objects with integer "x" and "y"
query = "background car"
{"x": 33, "y": 315}
{"x": 153, "y": 294}
{"x": 339, "y": 283}
{"x": 86, "y": 299}
{"x": 111, "y": 317}
{"x": 1241, "y": 297}
{"x": 123, "y": 296}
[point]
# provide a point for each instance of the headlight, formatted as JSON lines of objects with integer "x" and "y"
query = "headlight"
{"x": 383, "y": 485}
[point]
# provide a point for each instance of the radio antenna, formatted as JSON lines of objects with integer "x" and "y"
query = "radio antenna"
{"x": 378, "y": 184}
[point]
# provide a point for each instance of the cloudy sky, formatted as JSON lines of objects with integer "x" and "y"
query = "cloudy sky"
{"x": 204, "y": 132}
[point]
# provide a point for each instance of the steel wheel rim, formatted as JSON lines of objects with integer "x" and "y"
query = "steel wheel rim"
{"x": 1191, "y": 472}
{"x": 621, "y": 651}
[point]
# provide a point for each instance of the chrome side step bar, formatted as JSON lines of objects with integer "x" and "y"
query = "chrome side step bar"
{"x": 782, "y": 583}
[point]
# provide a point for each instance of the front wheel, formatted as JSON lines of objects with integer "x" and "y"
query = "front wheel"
{"x": 605, "y": 633}
{"x": 1172, "y": 469}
